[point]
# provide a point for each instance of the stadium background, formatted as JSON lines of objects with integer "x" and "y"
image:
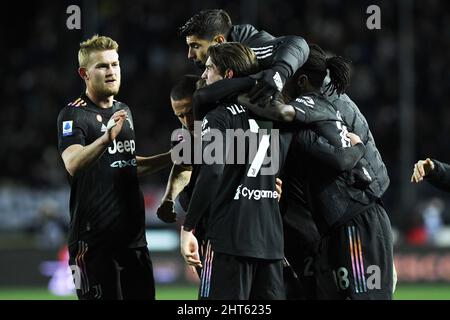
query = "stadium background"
{"x": 400, "y": 82}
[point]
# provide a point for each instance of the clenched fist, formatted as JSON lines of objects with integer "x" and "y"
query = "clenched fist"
{"x": 421, "y": 169}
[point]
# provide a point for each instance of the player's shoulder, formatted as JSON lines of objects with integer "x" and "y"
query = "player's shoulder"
{"x": 309, "y": 103}
{"x": 217, "y": 113}
{"x": 78, "y": 102}
{"x": 340, "y": 99}
{"x": 242, "y": 32}
{"x": 74, "y": 106}
{"x": 229, "y": 111}
{"x": 306, "y": 101}
{"x": 121, "y": 105}
{"x": 217, "y": 118}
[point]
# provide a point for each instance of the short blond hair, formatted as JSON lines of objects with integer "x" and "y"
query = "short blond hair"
{"x": 96, "y": 43}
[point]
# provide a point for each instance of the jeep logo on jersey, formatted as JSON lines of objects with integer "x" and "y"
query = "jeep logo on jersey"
{"x": 124, "y": 163}
{"x": 122, "y": 147}
{"x": 254, "y": 194}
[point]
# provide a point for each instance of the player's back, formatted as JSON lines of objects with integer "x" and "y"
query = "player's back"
{"x": 334, "y": 197}
{"x": 244, "y": 218}
{"x": 372, "y": 160}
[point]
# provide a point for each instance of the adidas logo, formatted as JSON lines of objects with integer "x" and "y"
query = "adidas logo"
{"x": 278, "y": 81}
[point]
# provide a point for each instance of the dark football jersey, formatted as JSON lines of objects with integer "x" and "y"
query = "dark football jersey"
{"x": 325, "y": 177}
{"x": 239, "y": 197}
{"x": 106, "y": 203}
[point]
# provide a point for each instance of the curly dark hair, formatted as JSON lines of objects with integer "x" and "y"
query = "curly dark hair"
{"x": 316, "y": 69}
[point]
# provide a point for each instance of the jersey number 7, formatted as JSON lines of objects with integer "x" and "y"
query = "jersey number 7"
{"x": 262, "y": 150}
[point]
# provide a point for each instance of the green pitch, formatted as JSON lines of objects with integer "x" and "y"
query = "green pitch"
{"x": 162, "y": 293}
{"x": 405, "y": 292}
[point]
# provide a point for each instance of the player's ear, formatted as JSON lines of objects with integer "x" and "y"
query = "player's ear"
{"x": 302, "y": 81}
{"x": 219, "y": 38}
{"x": 83, "y": 73}
{"x": 229, "y": 74}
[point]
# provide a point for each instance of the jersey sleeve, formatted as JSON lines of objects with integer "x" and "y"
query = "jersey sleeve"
{"x": 339, "y": 158}
{"x": 440, "y": 175}
{"x": 291, "y": 53}
{"x": 72, "y": 128}
{"x": 307, "y": 113}
{"x": 284, "y": 55}
{"x": 209, "y": 175}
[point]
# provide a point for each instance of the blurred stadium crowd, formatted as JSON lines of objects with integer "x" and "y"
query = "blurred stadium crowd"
{"x": 40, "y": 62}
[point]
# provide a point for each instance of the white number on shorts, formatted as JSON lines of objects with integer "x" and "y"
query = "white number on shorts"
{"x": 341, "y": 278}
{"x": 308, "y": 267}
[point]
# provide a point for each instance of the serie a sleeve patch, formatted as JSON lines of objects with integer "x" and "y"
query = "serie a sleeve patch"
{"x": 67, "y": 128}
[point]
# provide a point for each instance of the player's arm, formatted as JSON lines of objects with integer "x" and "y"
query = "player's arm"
{"x": 435, "y": 172}
{"x": 205, "y": 190}
{"x": 204, "y": 193}
{"x": 205, "y": 98}
{"x": 273, "y": 110}
{"x": 294, "y": 112}
{"x": 148, "y": 165}
{"x": 78, "y": 157}
{"x": 179, "y": 178}
{"x": 190, "y": 249}
{"x": 339, "y": 158}
{"x": 291, "y": 52}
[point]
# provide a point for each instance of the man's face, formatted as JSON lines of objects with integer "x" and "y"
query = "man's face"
{"x": 198, "y": 48}
{"x": 103, "y": 73}
{"x": 183, "y": 110}
{"x": 211, "y": 73}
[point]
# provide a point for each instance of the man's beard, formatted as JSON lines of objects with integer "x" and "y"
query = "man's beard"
{"x": 111, "y": 92}
{"x": 107, "y": 91}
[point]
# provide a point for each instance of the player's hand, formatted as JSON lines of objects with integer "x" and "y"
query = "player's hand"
{"x": 189, "y": 249}
{"x": 268, "y": 82}
{"x": 115, "y": 125}
{"x": 165, "y": 212}
{"x": 278, "y": 187}
{"x": 421, "y": 169}
{"x": 267, "y": 108}
{"x": 354, "y": 138}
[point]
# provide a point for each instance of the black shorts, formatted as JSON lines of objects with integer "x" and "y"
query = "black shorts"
{"x": 355, "y": 261}
{"x": 301, "y": 240}
{"x": 299, "y": 274}
{"x": 106, "y": 274}
{"x": 229, "y": 277}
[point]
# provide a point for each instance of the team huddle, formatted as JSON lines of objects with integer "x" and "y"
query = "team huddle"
{"x": 285, "y": 202}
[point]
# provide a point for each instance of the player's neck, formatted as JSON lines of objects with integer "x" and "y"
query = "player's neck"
{"x": 102, "y": 102}
{"x": 310, "y": 91}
